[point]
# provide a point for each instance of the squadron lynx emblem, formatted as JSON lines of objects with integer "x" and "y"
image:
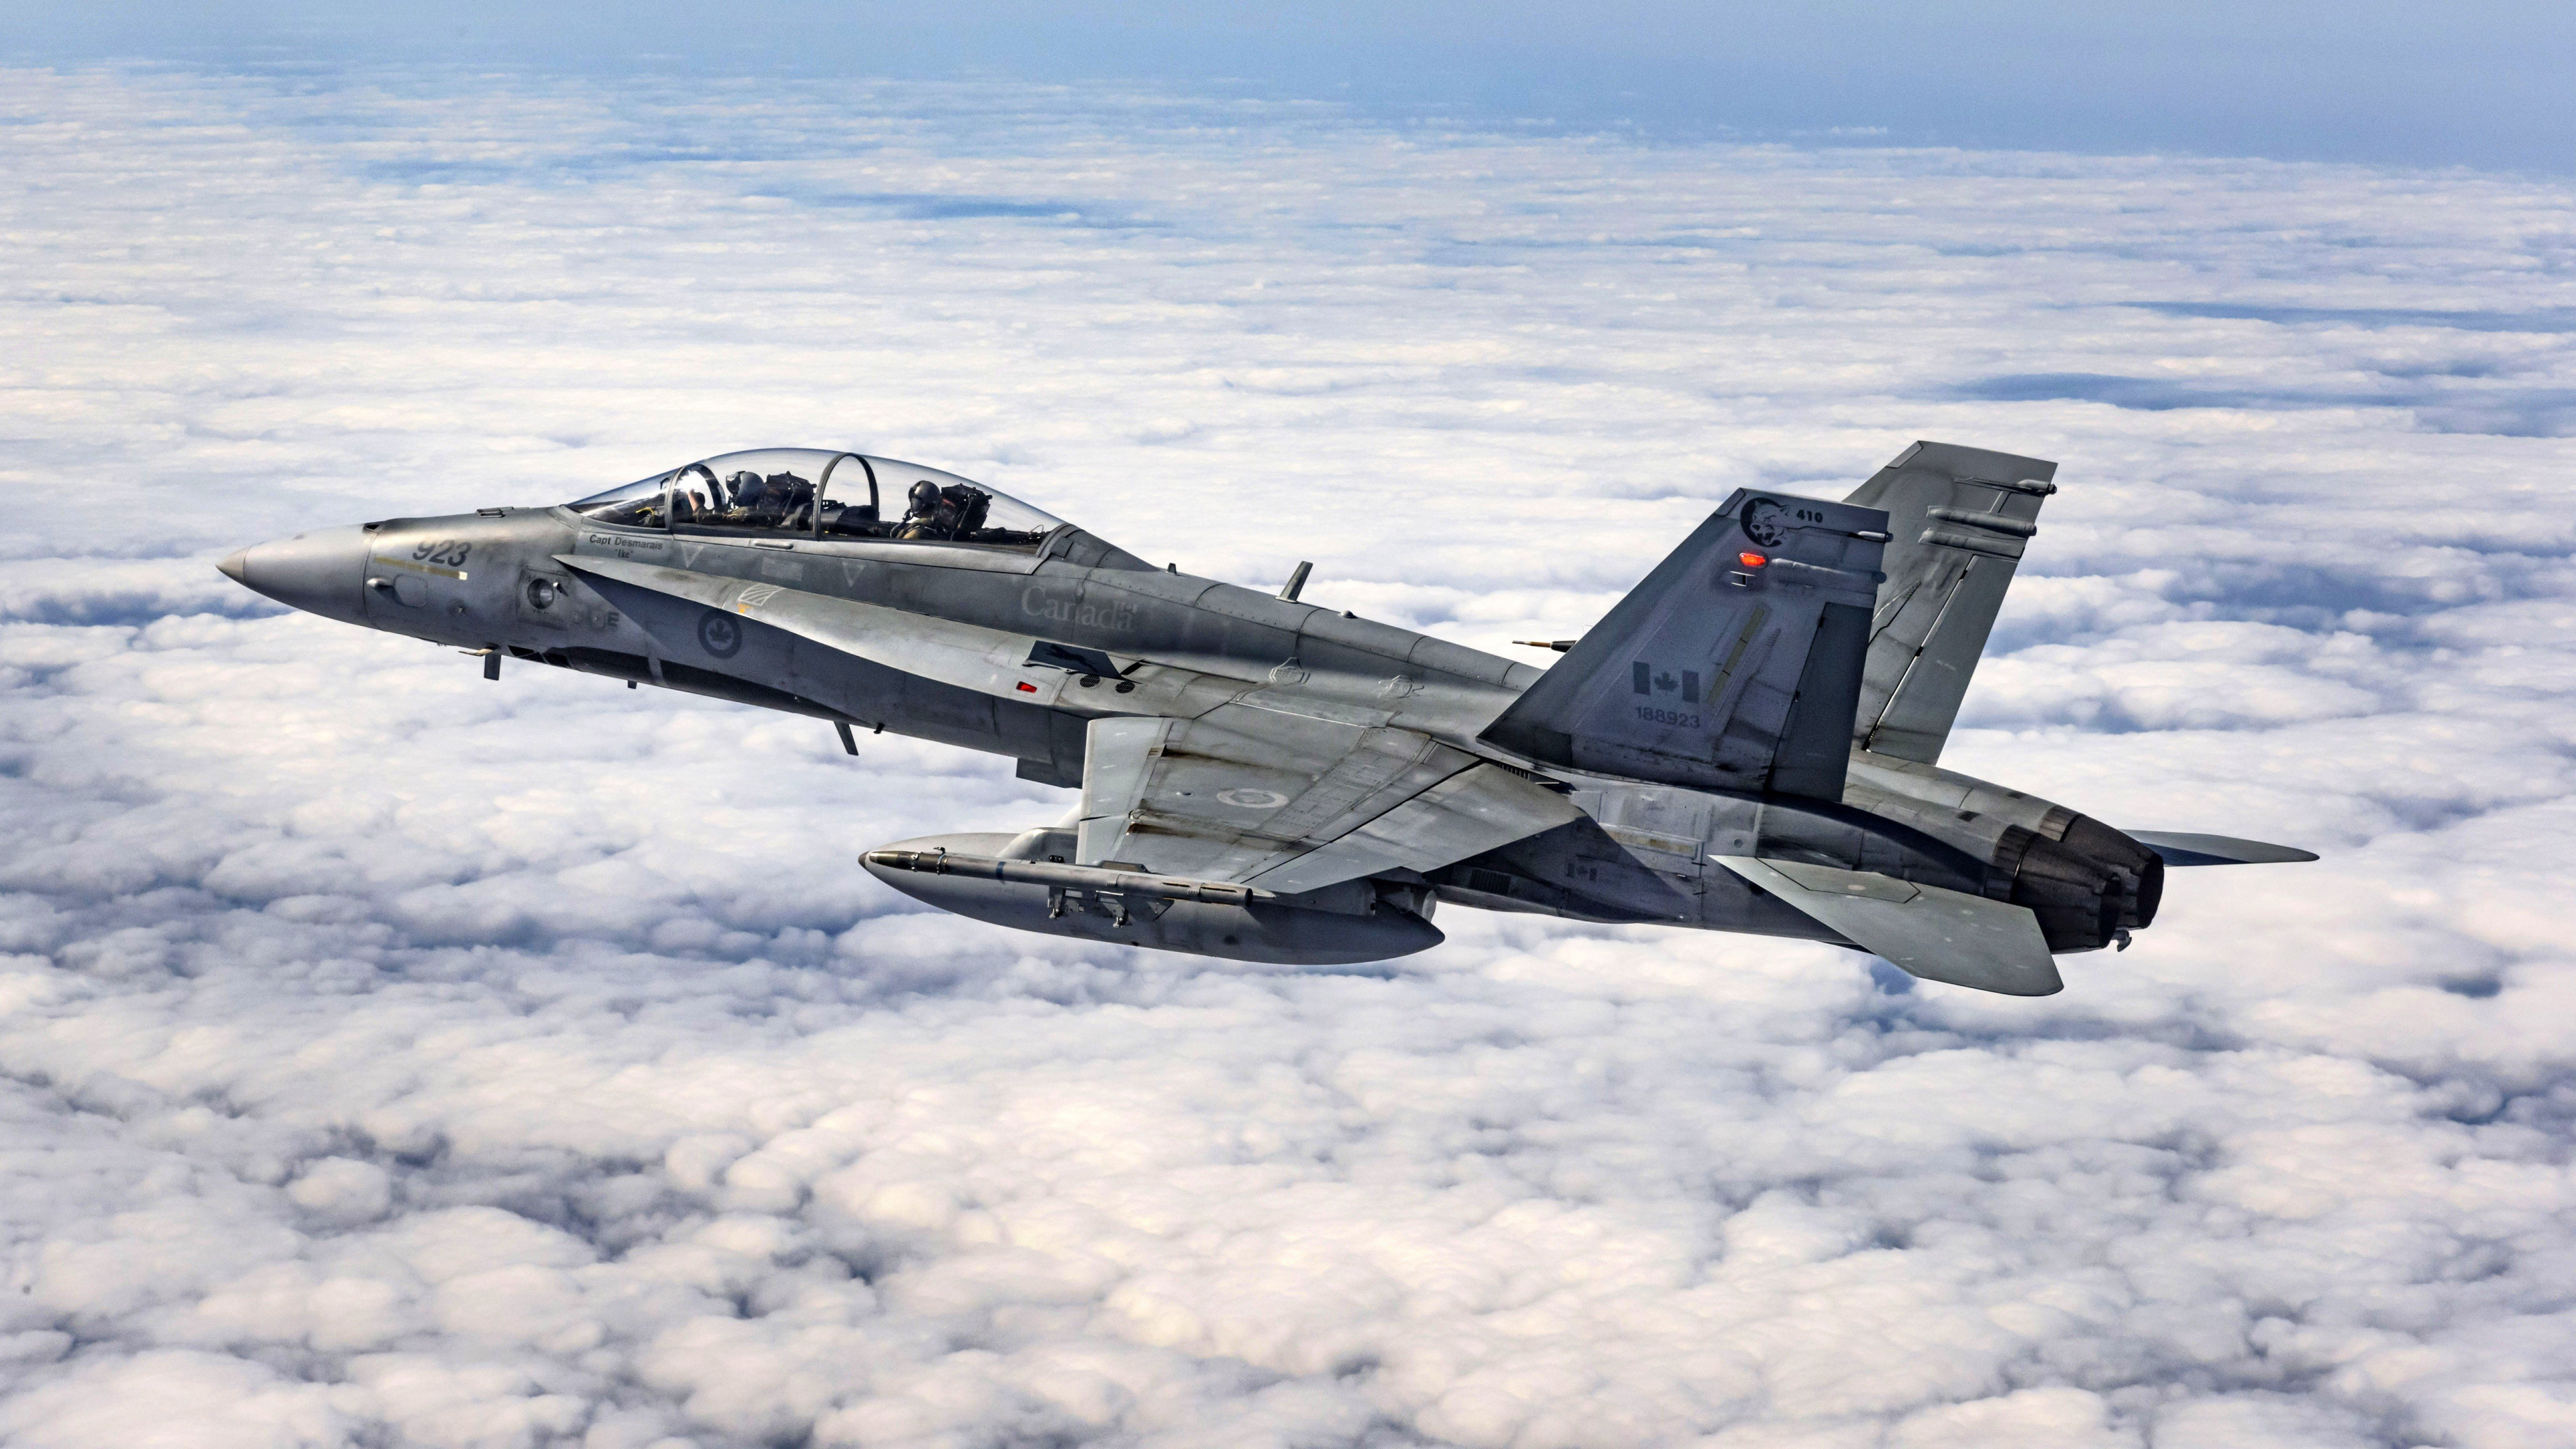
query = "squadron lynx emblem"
{"x": 1765, "y": 522}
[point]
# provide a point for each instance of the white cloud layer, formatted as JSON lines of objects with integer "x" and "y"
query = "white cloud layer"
{"x": 388, "y": 1057}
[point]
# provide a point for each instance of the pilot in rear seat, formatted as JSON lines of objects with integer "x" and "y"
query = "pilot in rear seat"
{"x": 788, "y": 500}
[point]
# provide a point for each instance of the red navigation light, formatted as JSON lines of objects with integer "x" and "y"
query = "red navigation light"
{"x": 1027, "y": 688}
{"x": 1751, "y": 560}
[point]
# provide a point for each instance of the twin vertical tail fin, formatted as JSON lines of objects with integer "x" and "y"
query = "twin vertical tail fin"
{"x": 1960, "y": 519}
{"x": 1768, "y": 644}
{"x": 1736, "y": 665}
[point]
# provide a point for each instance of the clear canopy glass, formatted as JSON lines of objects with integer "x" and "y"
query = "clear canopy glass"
{"x": 786, "y": 493}
{"x": 633, "y": 505}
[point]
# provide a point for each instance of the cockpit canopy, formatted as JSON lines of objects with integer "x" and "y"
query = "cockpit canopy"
{"x": 817, "y": 493}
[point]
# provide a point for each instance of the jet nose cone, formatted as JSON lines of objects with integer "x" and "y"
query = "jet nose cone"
{"x": 323, "y": 572}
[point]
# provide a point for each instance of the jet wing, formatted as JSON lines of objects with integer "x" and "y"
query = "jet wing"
{"x": 1290, "y": 803}
{"x": 1939, "y": 935}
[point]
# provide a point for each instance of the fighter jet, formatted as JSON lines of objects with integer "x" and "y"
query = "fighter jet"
{"x": 1749, "y": 741}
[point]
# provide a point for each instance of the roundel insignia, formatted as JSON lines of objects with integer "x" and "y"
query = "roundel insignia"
{"x": 719, "y": 635}
{"x": 1765, "y": 522}
{"x": 1253, "y": 799}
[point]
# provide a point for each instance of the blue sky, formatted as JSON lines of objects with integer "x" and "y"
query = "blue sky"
{"x": 2480, "y": 84}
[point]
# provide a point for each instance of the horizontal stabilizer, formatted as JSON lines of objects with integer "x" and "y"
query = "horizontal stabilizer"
{"x": 1936, "y": 934}
{"x": 2183, "y": 848}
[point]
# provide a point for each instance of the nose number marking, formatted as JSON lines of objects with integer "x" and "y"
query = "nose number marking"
{"x": 420, "y": 568}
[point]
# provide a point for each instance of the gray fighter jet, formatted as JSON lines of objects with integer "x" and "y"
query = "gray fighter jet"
{"x": 1750, "y": 741}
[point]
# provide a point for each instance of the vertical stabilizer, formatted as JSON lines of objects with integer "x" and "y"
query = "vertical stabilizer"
{"x": 1735, "y": 665}
{"x": 1960, "y": 519}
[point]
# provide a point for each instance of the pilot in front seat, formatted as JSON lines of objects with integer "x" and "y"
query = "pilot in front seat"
{"x": 932, "y": 514}
{"x": 748, "y": 491}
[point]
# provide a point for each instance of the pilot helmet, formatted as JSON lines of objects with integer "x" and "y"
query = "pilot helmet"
{"x": 925, "y": 495}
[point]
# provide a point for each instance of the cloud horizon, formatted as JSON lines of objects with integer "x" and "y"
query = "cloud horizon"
{"x": 388, "y": 1056}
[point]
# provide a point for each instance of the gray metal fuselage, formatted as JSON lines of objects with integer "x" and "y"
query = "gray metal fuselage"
{"x": 949, "y": 659}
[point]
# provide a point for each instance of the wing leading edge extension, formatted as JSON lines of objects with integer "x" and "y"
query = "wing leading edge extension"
{"x": 1735, "y": 665}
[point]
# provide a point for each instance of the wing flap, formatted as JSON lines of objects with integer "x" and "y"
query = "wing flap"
{"x": 1469, "y": 813}
{"x": 1925, "y": 931}
{"x": 1293, "y": 803}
